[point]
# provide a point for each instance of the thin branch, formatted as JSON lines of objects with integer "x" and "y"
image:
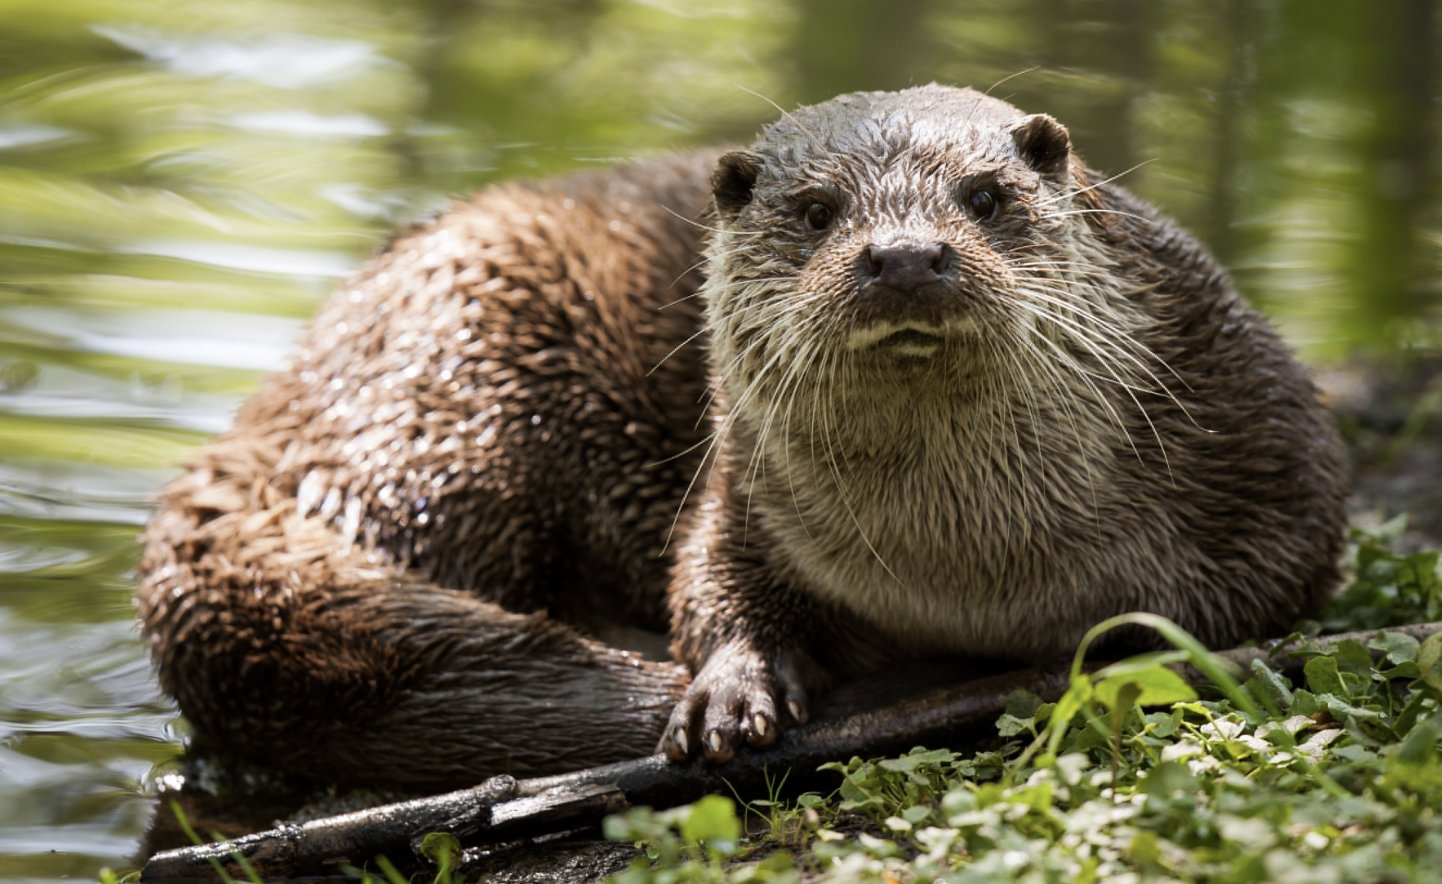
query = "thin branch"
{"x": 503, "y": 808}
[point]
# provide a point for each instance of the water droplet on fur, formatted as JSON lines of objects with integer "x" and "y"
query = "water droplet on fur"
{"x": 331, "y": 505}
{"x": 308, "y": 495}
{"x": 350, "y": 524}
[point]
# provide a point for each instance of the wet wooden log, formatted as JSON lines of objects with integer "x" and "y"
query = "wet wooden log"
{"x": 503, "y": 808}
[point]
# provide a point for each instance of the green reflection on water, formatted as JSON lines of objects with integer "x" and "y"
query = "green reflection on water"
{"x": 181, "y": 182}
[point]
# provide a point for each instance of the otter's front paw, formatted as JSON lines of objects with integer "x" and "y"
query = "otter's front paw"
{"x": 740, "y": 694}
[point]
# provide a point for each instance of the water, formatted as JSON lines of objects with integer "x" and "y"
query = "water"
{"x": 181, "y": 182}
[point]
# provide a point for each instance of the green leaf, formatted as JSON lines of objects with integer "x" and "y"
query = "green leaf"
{"x": 1154, "y": 686}
{"x": 1167, "y": 779}
{"x": 916, "y": 813}
{"x": 713, "y": 818}
{"x": 1343, "y": 711}
{"x": 1408, "y": 715}
{"x": 1023, "y": 704}
{"x": 1429, "y": 662}
{"x": 443, "y": 849}
{"x": 1352, "y": 658}
{"x": 1397, "y": 647}
{"x": 1268, "y": 686}
{"x": 1123, "y": 700}
{"x": 1323, "y": 677}
{"x": 1195, "y": 653}
{"x": 1066, "y": 709}
{"x": 1163, "y": 724}
{"x": 917, "y": 758}
{"x": 1144, "y": 849}
{"x": 1011, "y": 726}
{"x": 1023, "y": 709}
{"x": 1420, "y": 746}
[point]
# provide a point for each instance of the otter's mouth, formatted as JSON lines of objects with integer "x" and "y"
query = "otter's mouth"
{"x": 911, "y": 339}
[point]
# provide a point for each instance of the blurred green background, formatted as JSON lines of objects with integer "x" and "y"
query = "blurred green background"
{"x": 182, "y": 180}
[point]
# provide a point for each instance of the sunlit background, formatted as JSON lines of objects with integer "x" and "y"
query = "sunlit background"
{"x": 182, "y": 180}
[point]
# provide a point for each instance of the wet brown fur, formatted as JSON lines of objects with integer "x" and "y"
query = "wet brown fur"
{"x": 380, "y": 574}
{"x": 394, "y": 568}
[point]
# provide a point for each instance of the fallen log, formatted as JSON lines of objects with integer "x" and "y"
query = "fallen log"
{"x": 503, "y": 808}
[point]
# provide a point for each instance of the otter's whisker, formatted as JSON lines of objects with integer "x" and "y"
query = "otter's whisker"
{"x": 1118, "y": 212}
{"x": 1109, "y": 366}
{"x": 784, "y": 113}
{"x": 790, "y": 411}
{"x": 759, "y": 448}
{"x": 1068, "y": 361}
{"x": 706, "y": 227}
{"x": 676, "y": 349}
{"x": 717, "y": 438}
{"x": 1009, "y": 77}
{"x": 999, "y": 454}
{"x": 841, "y": 488}
{"x": 1049, "y": 371}
{"x": 1081, "y": 190}
{"x": 1103, "y": 333}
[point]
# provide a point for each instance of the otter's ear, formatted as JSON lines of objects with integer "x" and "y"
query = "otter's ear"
{"x": 733, "y": 181}
{"x": 1043, "y": 143}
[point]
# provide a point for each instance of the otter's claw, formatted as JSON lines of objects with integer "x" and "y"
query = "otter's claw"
{"x": 738, "y": 696}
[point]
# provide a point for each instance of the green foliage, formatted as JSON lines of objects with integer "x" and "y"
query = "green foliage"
{"x": 1388, "y": 588}
{"x": 444, "y": 850}
{"x": 1131, "y": 776}
{"x": 690, "y": 844}
{"x": 220, "y": 872}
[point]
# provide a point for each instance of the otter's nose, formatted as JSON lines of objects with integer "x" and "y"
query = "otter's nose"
{"x": 905, "y": 268}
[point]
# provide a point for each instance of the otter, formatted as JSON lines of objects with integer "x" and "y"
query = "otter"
{"x": 941, "y": 390}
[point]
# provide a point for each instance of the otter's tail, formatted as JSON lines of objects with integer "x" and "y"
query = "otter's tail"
{"x": 285, "y": 647}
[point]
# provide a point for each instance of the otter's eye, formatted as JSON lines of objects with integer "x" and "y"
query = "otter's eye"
{"x": 818, "y": 216}
{"x": 982, "y": 202}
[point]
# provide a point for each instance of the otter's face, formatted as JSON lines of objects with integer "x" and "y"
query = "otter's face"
{"x": 891, "y": 233}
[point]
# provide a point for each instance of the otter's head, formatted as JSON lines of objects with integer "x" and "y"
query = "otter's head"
{"x": 897, "y": 238}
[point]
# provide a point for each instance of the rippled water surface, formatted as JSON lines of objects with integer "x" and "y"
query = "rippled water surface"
{"x": 180, "y": 182}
